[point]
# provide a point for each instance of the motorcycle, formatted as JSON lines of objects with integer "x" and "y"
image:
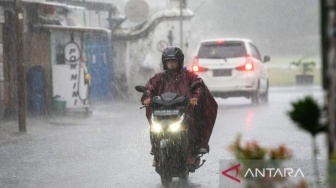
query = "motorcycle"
{"x": 169, "y": 131}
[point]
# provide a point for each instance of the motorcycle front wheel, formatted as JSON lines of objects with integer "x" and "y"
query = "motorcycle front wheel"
{"x": 165, "y": 175}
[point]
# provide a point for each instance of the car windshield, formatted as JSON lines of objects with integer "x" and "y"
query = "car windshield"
{"x": 222, "y": 51}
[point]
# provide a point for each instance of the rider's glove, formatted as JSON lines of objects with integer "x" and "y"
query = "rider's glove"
{"x": 147, "y": 102}
{"x": 193, "y": 101}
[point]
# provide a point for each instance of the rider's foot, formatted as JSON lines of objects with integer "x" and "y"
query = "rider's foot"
{"x": 154, "y": 163}
{"x": 202, "y": 151}
{"x": 152, "y": 151}
{"x": 190, "y": 160}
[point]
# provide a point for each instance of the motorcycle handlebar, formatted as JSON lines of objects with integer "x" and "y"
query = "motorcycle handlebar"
{"x": 192, "y": 87}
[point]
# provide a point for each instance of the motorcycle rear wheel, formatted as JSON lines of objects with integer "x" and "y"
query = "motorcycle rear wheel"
{"x": 166, "y": 180}
{"x": 184, "y": 179}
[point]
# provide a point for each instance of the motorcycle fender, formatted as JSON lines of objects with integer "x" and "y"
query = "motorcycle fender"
{"x": 164, "y": 143}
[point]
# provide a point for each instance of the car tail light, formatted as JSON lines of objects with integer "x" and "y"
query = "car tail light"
{"x": 219, "y": 41}
{"x": 196, "y": 68}
{"x": 248, "y": 66}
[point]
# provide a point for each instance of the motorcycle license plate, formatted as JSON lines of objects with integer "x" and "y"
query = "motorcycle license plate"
{"x": 165, "y": 112}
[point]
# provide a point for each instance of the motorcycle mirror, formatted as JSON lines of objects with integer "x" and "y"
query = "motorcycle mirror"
{"x": 140, "y": 89}
{"x": 195, "y": 85}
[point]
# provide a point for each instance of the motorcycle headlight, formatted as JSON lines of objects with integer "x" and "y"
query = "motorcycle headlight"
{"x": 177, "y": 125}
{"x": 155, "y": 126}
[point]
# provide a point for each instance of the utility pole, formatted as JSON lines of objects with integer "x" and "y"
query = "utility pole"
{"x": 20, "y": 66}
{"x": 84, "y": 17}
{"x": 328, "y": 31}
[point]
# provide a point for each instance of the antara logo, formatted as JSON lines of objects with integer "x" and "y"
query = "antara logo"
{"x": 263, "y": 172}
{"x": 274, "y": 172}
{"x": 236, "y": 168}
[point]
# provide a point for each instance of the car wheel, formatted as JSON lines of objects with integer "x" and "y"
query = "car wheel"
{"x": 264, "y": 96}
{"x": 255, "y": 96}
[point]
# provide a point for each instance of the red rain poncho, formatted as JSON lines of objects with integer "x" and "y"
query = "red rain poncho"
{"x": 204, "y": 113}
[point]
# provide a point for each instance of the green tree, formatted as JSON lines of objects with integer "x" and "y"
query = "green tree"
{"x": 306, "y": 114}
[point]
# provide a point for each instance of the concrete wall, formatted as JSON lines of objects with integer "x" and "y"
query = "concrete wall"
{"x": 141, "y": 59}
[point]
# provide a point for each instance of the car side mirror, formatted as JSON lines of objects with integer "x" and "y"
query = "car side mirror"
{"x": 140, "y": 89}
{"x": 267, "y": 58}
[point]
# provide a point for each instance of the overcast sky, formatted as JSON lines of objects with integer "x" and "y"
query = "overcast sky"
{"x": 289, "y": 27}
{"x": 278, "y": 27}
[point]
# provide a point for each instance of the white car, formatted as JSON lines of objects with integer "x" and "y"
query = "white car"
{"x": 232, "y": 68}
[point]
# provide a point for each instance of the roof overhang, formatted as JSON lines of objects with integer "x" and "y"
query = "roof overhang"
{"x": 41, "y": 2}
{"x": 63, "y": 5}
{"x": 89, "y": 5}
{"x": 94, "y": 31}
{"x": 75, "y": 28}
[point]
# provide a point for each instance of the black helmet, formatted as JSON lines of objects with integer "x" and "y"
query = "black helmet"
{"x": 172, "y": 53}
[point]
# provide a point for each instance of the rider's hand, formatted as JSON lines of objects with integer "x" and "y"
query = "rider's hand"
{"x": 193, "y": 101}
{"x": 147, "y": 102}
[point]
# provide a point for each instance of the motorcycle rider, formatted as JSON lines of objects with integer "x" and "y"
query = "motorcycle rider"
{"x": 203, "y": 109}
